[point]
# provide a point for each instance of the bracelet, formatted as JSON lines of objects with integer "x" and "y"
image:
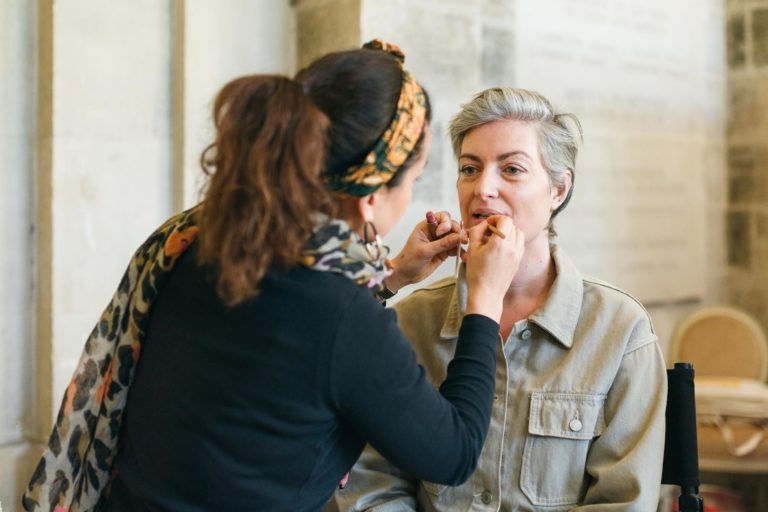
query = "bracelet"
{"x": 385, "y": 293}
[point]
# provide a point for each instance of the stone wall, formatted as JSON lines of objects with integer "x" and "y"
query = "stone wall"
{"x": 106, "y": 109}
{"x": 649, "y": 206}
{"x": 111, "y": 109}
{"x": 747, "y": 141}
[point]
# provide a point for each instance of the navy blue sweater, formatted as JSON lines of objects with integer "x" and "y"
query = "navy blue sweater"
{"x": 266, "y": 405}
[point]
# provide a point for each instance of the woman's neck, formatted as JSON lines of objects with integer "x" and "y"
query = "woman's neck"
{"x": 531, "y": 284}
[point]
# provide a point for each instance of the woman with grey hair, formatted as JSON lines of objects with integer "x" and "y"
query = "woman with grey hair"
{"x": 578, "y": 414}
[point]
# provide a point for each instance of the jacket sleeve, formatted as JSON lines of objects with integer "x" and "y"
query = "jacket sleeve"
{"x": 375, "y": 485}
{"x": 380, "y": 390}
{"x": 625, "y": 462}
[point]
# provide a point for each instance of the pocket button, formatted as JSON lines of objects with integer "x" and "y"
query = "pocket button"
{"x": 486, "y": 497}
{"x": 575, "y": 425}
{"x": 526, "y": 334}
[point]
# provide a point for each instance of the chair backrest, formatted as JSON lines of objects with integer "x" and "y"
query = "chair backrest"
{"x": 722, "y": 341}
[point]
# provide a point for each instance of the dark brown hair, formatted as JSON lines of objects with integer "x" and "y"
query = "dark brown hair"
{"x": 276, "y": 140}
{"x": 266, "y": 163}
{"x": 358, "y": 91}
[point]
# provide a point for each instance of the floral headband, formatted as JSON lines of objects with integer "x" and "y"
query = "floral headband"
{"x": 398, "y": 140}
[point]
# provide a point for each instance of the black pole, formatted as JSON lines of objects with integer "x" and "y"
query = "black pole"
{"x": 681, "y": 458}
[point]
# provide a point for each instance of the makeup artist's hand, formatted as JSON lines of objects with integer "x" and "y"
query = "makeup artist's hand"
{"x": 492, "y": 262}
{"x": 427, "y": 247}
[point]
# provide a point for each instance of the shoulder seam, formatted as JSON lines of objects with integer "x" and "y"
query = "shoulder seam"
{"x": 598, "y": 282}
{"x": 641, "y": 344}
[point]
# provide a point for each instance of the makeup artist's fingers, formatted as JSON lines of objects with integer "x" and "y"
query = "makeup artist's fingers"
{"x": 447, "y": 243}
{"x": 422, "y": 254}
{"x": 446, "y": 224}
{"x": 492, "y": 263}
{"x": 507, "y": 226}
{"x": 475, "y": 233}
{"x": 502, "y": 225}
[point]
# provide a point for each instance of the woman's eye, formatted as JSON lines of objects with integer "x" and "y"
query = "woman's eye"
{"x": 468, "y": 170}
{"x": 512, "y": 169}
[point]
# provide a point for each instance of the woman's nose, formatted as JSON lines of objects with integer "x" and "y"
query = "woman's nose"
{"x": 487, "y": 185}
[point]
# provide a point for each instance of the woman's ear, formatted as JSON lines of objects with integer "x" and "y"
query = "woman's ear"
{"x": 364, "y": 207}
{"x": 560, "y": 192}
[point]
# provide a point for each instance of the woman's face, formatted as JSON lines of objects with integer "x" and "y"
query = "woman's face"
{"x": 500, "y": 172}
{"x": 392, "y": 202}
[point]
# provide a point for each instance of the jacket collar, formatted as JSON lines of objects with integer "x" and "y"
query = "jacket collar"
{"x": 558, "y": 315}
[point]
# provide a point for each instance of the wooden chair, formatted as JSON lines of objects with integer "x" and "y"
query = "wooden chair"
{"x": 726, "y": 343}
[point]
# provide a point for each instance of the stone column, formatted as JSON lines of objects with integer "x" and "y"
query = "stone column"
{"x": 747, "y": 141}
{"x": 324, "y": 26}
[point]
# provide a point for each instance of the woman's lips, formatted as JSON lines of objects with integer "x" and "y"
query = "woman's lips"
{"x": 478, "y": 215}
{"x": 482, "y": 214}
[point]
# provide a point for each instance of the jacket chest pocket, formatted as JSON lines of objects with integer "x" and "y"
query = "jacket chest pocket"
{"x": 561, "y": 428}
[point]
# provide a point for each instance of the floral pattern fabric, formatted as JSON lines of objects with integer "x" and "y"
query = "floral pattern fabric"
{"x": 334, "y": 247}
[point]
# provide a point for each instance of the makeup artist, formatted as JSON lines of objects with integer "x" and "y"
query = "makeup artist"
{"x": 258, "y": 357}
{"x": 580, "y": 393}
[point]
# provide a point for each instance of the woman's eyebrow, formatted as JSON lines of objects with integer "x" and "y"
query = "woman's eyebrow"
{"x": 504, "y": 156}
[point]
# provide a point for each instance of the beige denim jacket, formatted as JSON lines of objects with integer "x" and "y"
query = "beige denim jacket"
{"x": 578, "y": 418}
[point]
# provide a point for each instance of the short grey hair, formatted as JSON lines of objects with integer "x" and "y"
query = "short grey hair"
{"x": 558, "y": 144}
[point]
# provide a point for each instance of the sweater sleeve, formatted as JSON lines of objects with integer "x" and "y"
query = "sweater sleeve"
{"x": 383, "y": 393}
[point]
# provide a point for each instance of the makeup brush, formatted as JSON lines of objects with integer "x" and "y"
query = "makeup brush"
{"x": 495, "y": 231}
{"x": 458, "y": 252}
